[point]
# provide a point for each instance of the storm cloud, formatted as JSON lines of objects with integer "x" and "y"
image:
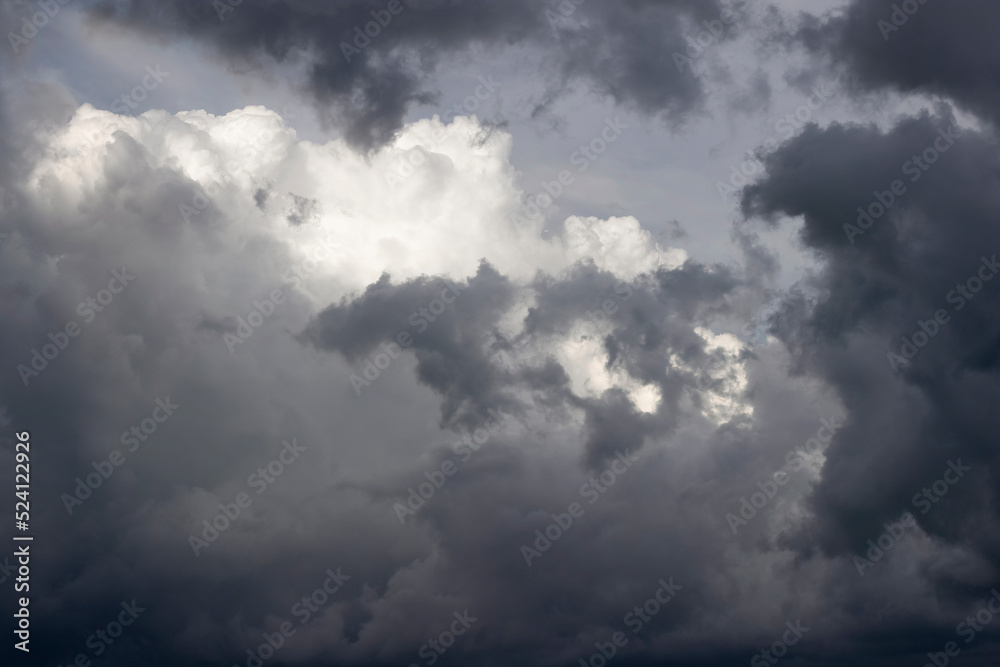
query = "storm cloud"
{"x": 370, "y": 399}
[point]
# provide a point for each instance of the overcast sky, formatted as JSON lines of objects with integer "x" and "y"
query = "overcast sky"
{"x": 543, "y": 333}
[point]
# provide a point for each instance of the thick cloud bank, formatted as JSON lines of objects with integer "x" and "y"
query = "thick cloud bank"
{"x": 189, "y": 263}
{"x": 356, "y": 403}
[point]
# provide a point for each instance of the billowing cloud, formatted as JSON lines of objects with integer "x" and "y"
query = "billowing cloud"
{"x": 189, "y": 288}
{"x": 355, "y": 401}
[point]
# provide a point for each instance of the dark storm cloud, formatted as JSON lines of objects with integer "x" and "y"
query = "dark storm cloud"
{"x": 664, "y": 516}
{"x": 917, "y": 46}
{"x": 161, "y": 337}
{"x": 491, "y": 507}
{"x": 935, "y": 242}
{"x": 621, "y": 50}
{"x": 453, "y": 350}
{"x": 447, "y": 342}
{"x": 904, "y": 224}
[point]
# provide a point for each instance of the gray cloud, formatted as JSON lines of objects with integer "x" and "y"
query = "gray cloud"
{"x": 506, "y": 342}
{"x": 934, "y": 48}
{"x": 911, "y": 262}
{"x": 620, "y": 51}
